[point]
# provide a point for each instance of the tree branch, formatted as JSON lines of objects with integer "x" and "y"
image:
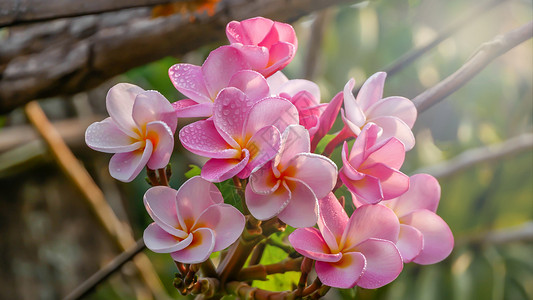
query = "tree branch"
{"x": 460, "y": 23}
{"x": 72, "y": 55}
{"x": 486, "y": 54}
{"x": 520, "y": 233}
{"x": 13, "y": 13}
{"x": 479, "y": 155}
{"x": 107, "y": 271}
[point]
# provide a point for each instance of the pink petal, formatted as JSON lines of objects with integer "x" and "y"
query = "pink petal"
{"x": 295, "y": 86}
{"x": 202, "y": 138}
{"x": 280, "y": 55}
{"x": 264, "y": 207}
{"x": 286, "y": 33}
{"x": 251, "y": 83}
{"x": 344, "y": 273}
{"x": 390, "y": 153}
{"x": 438, "y": 238}
{"x": 126, "y": 166}
{"x": 263, "y": 146}
{"x": 226, "y": 222}
{"x": 370, "y": 221}
{"x": 162, "y": 140}
{"x": 410, "y": 242}
{"x": 393, "y": 182}
{"x": 229, "y": 114}
{"x": 363, "y": 144}
{"x": 275, "y": 82}
{"x": 188, "y": 108}
{"x": 255, "y": 56}
{"x": 317, "y": 171}
{"x": 383, "y": 263}
{"x": 221, "y": 64}
{"x": 332, "y": 221}
{"x": 106, "y": 136}
{"x": 160, "y": 203}
{"x": 371, "y": 91}
{"x": 119, "y": 104}
{"x": 295, "y": 140}
{"x": 275, "y": 111}
{"x": 151, "y": 106}
{"x": 193, "y": 197}
{"x": 263, "y": 180}
{"x": 160, "y": 241}
{"x": 309, "y": 243}
{"x": 423, "y": 193}
{"x": 394, "y": 127}
{"x": 302, "y": 210}
{"x": 367, "y": 190}
{"x": 249, "y": 31}
{"x": 189, "y": 80}
{"x": 349, "y": 170}
{"x": 327, "y": 119}
{"x": 198, "y": 251}
{"x": 395, "y": 106}
{"x": 353, "y": 110}
{"x": 218, "y": 170}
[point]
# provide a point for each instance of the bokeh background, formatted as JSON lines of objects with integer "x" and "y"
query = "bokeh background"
{"x": 50, "y": 240}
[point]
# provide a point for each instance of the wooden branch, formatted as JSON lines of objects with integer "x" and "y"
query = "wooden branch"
{"x": 73, "y": 169}
{"x": 480, "y": 155}
{"x": 458, "y": 24}
{"x": 15, "y": 12}
{"x": 102, "y": 274}
{"x": 486, "y": 54}
{"x": 72, "y": 55}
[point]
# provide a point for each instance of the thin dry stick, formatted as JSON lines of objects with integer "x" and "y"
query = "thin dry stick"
{"x": 486, "y": 54}
{"x": 106, "y": 271}
{"x": 466, "y": 19}
{"x": 94, "y": 196}
{"x": 314, "y": 46}
{"x": 479, "y": 155}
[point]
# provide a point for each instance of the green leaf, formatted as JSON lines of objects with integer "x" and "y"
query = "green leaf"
{"x": 194, "y": 171}
{"x": 229, "y": 193}
{"x": 276, "y": 282}
{"x": 324, "y": 142}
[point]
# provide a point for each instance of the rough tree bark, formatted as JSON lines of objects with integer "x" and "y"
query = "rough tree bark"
{"x": 67, "y": 56}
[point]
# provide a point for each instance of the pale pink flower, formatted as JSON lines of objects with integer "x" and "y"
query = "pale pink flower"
{"x": 192, "y": 222}
{"x": 424, "y": 238}
{"x": 290, "y": 185}
{"x": 356, "y": 251}
{"x": 224, "y": 67}
{"x": 243, "y": 134}
{"x": 395, "y": 115}
{"x": 304, "y": 94}
{"x": 370, "y": 170}
{"x": 140, "y": 130}
{"x": 268, "y": 46}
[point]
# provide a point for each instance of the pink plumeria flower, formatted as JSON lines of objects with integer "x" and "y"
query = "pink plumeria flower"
{"x": 267, "y": 45}
{"x": 356, "y": 251}
{"x": 192, "y": 222}
{"x": 140, "y": 130}
{"x": 242, "y": 134}
{"x": 224, "y": 67}
{"x": 425, "y": 238}
{"x": 370, "y": 170}
{"x": 395, "y": 115}
{"x": 290, "y": 185}
{"x": 304, "y": 94}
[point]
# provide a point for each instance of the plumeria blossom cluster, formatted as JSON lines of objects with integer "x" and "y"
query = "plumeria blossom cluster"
{"x": 261, "y": 130}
